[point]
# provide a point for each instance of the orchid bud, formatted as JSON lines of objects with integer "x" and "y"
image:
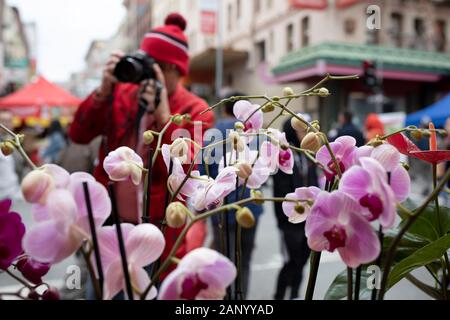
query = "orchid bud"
{"x": 187, "y": 117}
{"x": 299, "y": 125}
{"x": 287, "y": 91}
{"x": 178, "y": 120}
{"x": 323, "y": 92}
{"x": 176, "y": 214}
{"x": 236, "y": 141}
{"x": 375, "y": 142}
{"x": 244, "y": 170}
{"x": 426, "y": 133}
{"x": 36, "y": 185}
{"x": 417, "y": 134}
{"x": 239, "y": 125}
{"x": 275, "y": 98}
{"x": 257, "y": 196}
{"x": 50, "y": 294}
{"x": 315, "y": 124}
{"x": 269, "y": 107}
{"x": 311, "y": 142}
{"x": 7, "y": 148}
{"x": 179, "y": 148}
{"x": 245, "y": 218}
{"x": 148, "y": 137}
{"x": 405, "y": 165}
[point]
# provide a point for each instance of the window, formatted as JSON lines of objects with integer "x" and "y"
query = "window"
{"x": 257, "y": 5}
{"x": 305, "y": 32}
{"x": 230, "y": 17}
{"x": 290, "y": 38}
{"x": 349, "y": 26}
{"x": 440, "y": 35}
{"x": 238, "y": 9}
{"x": 260, "y": 51}
{"x": 271, "y": 41}
{"x": 419, "y": 41}
{"x": 397, "y": 29}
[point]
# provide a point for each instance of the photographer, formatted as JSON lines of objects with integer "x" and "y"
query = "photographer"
{"x": 121, "y": 112}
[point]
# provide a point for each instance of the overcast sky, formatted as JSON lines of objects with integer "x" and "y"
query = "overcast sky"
{"x": 66, "y": 28}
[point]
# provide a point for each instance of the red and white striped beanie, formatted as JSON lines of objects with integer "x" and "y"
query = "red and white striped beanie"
{"x": 168, "y": 43}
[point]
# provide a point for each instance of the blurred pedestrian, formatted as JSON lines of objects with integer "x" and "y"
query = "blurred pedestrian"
{"x": 348, "y": 128}
{"x": 373, "y": 127}
{"x": 56, "y": 142}
{"x": 294, "y": 242}
{"x": 225, "y": 124}
{"x": 121, "y": 112}
{"x": 9, "y": 182}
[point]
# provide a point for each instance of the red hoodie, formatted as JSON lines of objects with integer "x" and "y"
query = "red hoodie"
{"x": 115, "y": 120}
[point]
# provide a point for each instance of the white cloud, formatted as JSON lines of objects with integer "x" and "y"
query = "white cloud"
{"x": 66, "y": 28}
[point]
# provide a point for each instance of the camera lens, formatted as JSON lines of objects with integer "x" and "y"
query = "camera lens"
{"x": 128, "y": 70}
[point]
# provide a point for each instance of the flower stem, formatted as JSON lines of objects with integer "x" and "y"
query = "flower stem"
{"x": 19, "y": 147}
{"x": 349, "y": 283}
{"x": 96, "y": 248}
{"x": 357, "y": 282}
{"x": 147, "y": 188}
{"x": 445, "y": 265}
{"x": 91, "y": 271}
{"x": 314, "y": 269}
{"x": 414, "y": 216}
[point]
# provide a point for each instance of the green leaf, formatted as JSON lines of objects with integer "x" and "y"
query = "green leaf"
{"x": 427, "y": 224}
{"x": 338, "y": 289}
{"x": 408, "y": 244}
{"x": 423, "y": 256}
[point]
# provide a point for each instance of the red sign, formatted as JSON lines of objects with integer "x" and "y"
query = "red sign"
{"x": 346, "y": 3}
{"x": 208, "y": 22}
{"x": 309, "y": 4}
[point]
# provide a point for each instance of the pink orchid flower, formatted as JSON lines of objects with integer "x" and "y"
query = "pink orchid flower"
{"x": 62, "y": 222}
{"x": 144, "y": 244}
{"x": 123, "y": 164}
{"x": 203, "y": 274}
{"x": 304, "y": 196}
{"x": 242, "y": 110}
{"x": 210, "y": 194}
{"x": 38, "y": 183}
{"x": 367, "y": 184}
{"x": 12, "y": 231}
{"x": 260, "y": 170}
{"x": 343, "y": 149}
{"x": 275, "y": 155}
{"x": 336, "y": 223}
{"x": 178, "y": 176}
{"x": 389, "y": 158}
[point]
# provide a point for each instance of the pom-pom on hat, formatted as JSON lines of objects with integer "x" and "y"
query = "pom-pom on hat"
{"x": 169, "y": 43}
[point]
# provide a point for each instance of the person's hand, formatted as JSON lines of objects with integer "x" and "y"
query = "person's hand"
{"x": 148, "y": 87}
{"x": 109, "y": 80}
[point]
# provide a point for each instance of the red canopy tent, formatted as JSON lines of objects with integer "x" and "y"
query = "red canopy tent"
{"x": 31, "y": 100}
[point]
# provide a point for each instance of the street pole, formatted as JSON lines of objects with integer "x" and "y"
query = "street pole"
{"x": 380, "y": 94}
{"x": 219, "y": 49}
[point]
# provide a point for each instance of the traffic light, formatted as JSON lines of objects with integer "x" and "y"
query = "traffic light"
{"x": 369, "y": 74}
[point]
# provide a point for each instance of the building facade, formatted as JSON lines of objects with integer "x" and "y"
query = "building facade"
{"x": 15, "y": 66}
{"x": 269, "y": 44}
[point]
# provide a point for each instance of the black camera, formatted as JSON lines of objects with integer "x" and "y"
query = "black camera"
{"x": 135, "y": 68}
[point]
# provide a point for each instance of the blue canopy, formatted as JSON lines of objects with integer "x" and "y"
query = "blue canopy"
{"x": 437, "y": 112}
